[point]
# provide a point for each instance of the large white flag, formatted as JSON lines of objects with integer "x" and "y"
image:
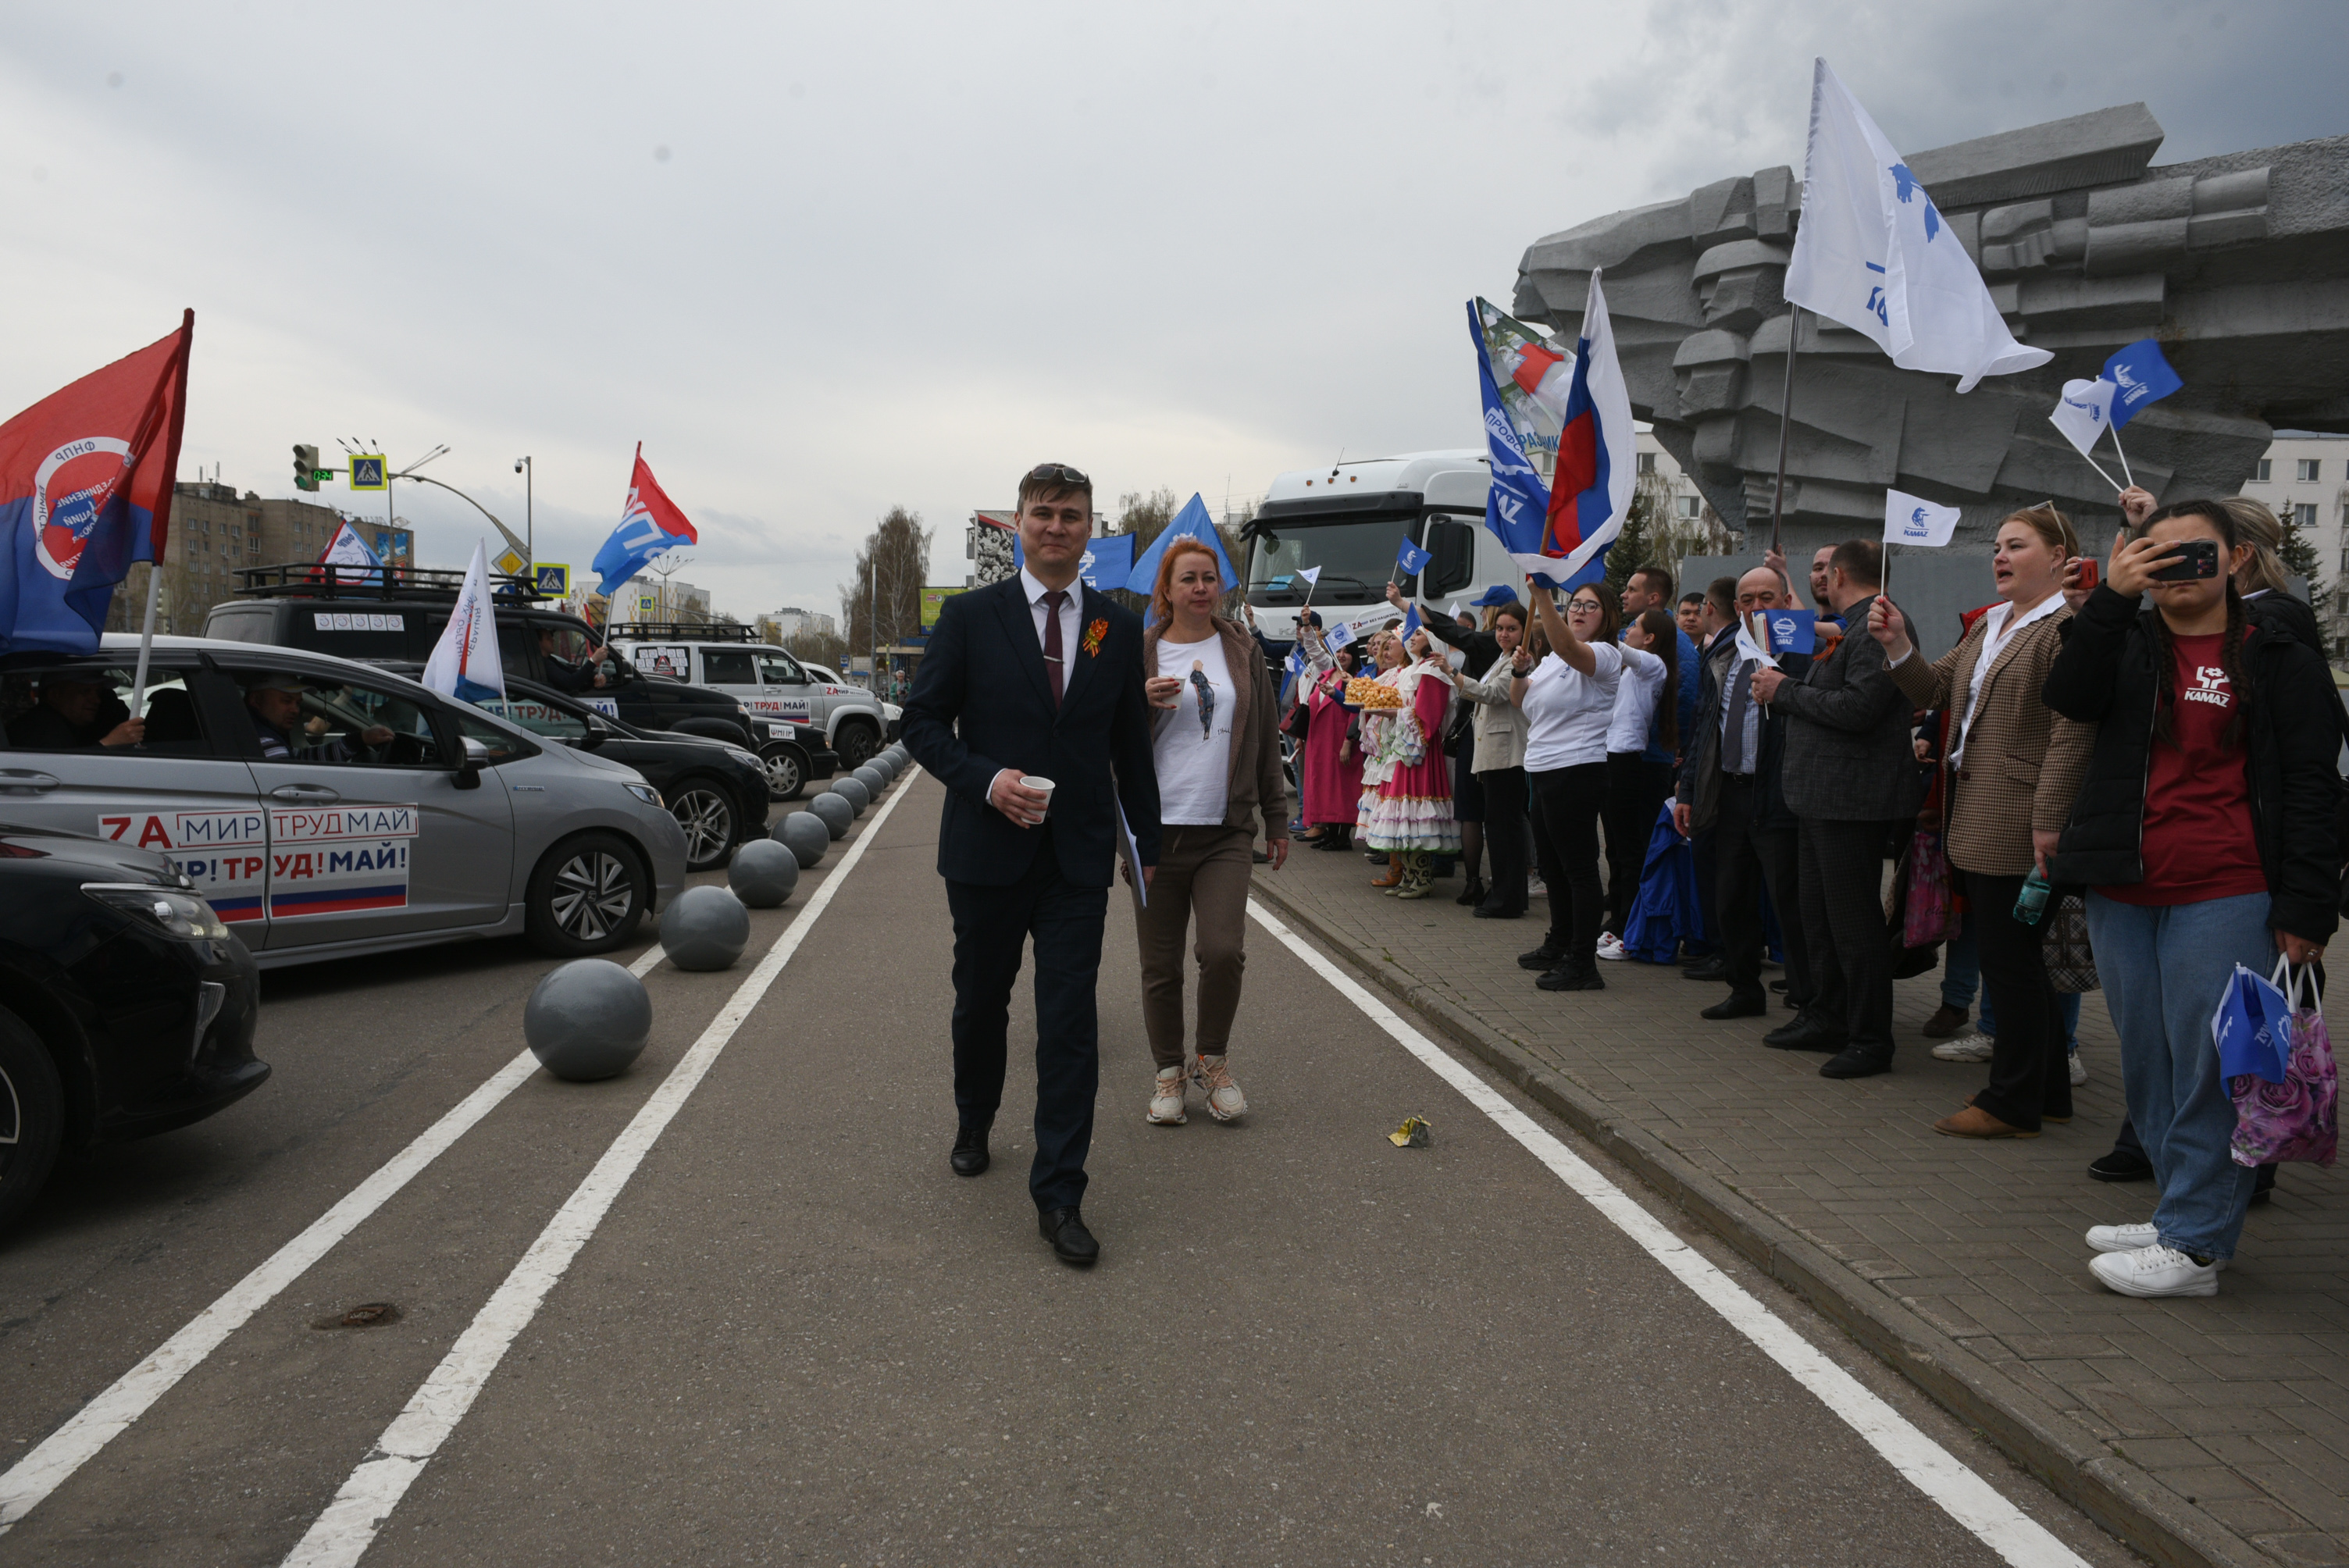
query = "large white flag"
{"x": 1874, "y": 253}
{"x": 1912, "y": 520}
{"x": 464, "y": 662}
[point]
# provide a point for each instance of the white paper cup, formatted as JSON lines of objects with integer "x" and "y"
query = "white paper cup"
{"x": 1029, "y": 781}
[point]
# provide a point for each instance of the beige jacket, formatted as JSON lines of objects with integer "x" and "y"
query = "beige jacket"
{"x": 1500, "y": 724}
{"x": 2023, "y": 762}
{"x": 1256, "y": 785}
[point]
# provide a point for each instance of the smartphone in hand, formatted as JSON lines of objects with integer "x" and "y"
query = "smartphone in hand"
{"x": 2193, "y": 558}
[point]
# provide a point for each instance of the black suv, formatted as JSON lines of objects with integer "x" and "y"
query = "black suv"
{"x": 398, "y": 621}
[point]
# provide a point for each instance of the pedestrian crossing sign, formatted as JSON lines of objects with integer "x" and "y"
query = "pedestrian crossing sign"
{"x": 367, "y": 472}
{"x": 554, "y": 579}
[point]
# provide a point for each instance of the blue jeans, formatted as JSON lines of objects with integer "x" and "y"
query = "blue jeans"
{"x": 1962, "y": 974}
{"x": 2163, "y": 971}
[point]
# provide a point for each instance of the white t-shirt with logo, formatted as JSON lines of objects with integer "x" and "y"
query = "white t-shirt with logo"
{"x": 1193, "y": 747}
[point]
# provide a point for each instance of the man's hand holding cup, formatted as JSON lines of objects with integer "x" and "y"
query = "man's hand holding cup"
{"x": 1022, "y": 799}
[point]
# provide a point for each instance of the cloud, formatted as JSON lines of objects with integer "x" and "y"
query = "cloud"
{"x": 897, "y": 255}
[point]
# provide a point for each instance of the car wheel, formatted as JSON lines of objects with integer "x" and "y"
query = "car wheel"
{"x": 586, "y": 896}
{"x": 787, "y": 771}
{"x": 32, "y": 1117}
{"x": 856, "y": 743}
{"x": 705, "y": 809}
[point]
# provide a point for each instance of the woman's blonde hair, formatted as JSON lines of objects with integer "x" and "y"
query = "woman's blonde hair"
{"x": 2049, "y": 524}
{"x": 1162, "y": 591}
{"x": 2258, "y": 526}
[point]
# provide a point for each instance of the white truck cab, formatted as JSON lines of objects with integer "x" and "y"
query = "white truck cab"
{"x": 765, "y": 678}
{"x": 1351, "y": 519}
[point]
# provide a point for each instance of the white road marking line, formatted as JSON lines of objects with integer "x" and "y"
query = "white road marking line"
{"x": 1931, "y": 1468}
{"x": 342, "y": 1534}
{"x": 649, "y": 960}
{"x": 97, "y": 1423}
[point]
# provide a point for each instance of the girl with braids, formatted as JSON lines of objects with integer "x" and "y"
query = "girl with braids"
{"x": 2204, "y": 832}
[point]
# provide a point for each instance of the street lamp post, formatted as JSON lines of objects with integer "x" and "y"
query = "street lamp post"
{"x": 529, "y": 538}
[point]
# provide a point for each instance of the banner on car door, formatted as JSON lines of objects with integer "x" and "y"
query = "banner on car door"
{"x": 336, "y": 859}
{"x": 225, "y": 853}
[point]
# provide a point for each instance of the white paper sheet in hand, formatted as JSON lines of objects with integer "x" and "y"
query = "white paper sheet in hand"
{"x": 1131, "y": 851}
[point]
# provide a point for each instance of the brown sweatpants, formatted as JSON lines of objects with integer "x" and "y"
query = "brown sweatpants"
{"x": 1205, "y": 870}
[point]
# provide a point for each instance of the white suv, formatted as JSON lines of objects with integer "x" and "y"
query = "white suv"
{"x": 765, "y": 678}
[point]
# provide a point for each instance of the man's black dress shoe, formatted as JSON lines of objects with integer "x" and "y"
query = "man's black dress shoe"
{"x": 1072, "y": 1242}
{"x": 970, "y": 1156}
{"x": 1737, "y": 1006}
{"x": 1714, "y": 969}
{"x": 1858, "y": 1061}
{"x": 1804, "y": 1032}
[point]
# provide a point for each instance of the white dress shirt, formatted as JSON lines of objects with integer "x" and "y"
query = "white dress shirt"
{"x": 1070, "y": 610}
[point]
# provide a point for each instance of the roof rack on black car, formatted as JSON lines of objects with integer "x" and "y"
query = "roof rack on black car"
{"x": 311, "y": 579}
{"x": 682, "y": 631}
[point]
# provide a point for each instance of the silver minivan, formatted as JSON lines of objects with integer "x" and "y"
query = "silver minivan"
{"x": 764, "y": 678}
{"x": 327, "y": 808}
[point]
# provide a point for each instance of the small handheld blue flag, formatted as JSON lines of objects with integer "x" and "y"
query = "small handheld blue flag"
{"x": 2143, "y": 375}
{"x": 1412, "y": 559}
{"x": 1411, "y": 623}
{"x": 1792, "y": 631}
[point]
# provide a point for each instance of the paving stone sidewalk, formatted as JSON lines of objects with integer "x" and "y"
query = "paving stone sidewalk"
{"x": 2235, "y": 1404}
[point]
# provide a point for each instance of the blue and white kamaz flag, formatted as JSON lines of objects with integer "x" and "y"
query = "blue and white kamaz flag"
{"x": 464, "y": 662}
{"x": 2084, "y": 413}
{"x": 2141, "y": 375}
{"x": 1412, "y": 558}
{"x": 1874, "y": 253}
{"x": 1411, "y": 623}
{"x": 1912, "y": 520}
{"x": 1516, "y": 507}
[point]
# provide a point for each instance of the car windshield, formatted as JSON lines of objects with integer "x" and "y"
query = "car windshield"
{"x": 1357, "y": 557}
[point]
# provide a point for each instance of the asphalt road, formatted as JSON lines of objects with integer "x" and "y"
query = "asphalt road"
{"x": 795, "y": 1336}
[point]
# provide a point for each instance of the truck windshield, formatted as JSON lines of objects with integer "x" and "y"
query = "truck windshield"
{"x": 1356, "y": 556}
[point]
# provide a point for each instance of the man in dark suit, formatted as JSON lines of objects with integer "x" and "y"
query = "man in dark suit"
{"x": 1732, "y": 784}
{"x": 1850, "y": 775}
{"x": 1035, "y": 676}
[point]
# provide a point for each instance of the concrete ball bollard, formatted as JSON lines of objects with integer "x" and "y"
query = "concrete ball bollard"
{"x": 857, "y": 795}
{"x": 706, "y": 928}
{"x": 764, "y": 873}
{"x": 834, "y": 812}
{"x": 805, "y": 835}
{"x": 873, "y": 778}
{"x": 885, "y": 766}
{"x": 587, "y": 1019}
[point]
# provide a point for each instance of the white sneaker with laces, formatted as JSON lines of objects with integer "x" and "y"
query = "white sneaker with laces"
{"x": 2123, "y": 1238}
{"x": 2155, "y": 1271}
{"x": 1610, "y": 946}
{"x": 1225, "y": 1101}
{"x": 2079, "y": 1071}
{"x": 1973, "y": 1048}
{"x": 1166, "y": 1099}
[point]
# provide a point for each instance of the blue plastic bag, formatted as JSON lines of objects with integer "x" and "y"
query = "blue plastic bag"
{"x": 2252, "y": 1027}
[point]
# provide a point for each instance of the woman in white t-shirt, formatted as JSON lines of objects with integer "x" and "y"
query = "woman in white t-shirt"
{"x": 1568, "y": 701}
{"x": 1636, "y": 781}
{"x": 1217, "y": 743}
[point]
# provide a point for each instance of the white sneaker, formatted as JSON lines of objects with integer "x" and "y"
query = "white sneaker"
{"x": 2079, "y": 1071}
{"x": 1225, "y": 1101}
{"x": 1166, "y": 1099}
{"x": 2155, "y": 1270}
{"x": 1537, "y": 888}
{"x": 2123, "y": 1238}
{"x": 1973, "y": 1048}
{"x": 1610, "y": 946}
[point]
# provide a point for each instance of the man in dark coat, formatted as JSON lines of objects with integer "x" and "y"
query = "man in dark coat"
{"x": 1035, "y": 676}
{"x": 1850, "y": 775}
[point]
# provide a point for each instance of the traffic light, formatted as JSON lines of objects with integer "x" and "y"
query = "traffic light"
{"x": 305, "y": 467}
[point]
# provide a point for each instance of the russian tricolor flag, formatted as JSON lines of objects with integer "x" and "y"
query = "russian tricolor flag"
{"x": 1591, "y": 489}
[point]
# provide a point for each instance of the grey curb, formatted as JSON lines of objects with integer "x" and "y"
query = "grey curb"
{"x": 2079, "y": 1468}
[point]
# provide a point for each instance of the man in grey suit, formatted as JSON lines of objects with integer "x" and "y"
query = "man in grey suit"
{"x": 1849, "y": 776}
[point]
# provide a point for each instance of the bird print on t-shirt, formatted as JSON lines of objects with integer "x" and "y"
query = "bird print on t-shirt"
{"x": 1200, "y": 684}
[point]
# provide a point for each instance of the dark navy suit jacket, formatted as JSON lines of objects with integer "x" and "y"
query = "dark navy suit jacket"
{"x": 981, "y": 704}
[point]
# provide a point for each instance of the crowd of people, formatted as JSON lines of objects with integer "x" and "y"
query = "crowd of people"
{"x": 2124, "y": 774}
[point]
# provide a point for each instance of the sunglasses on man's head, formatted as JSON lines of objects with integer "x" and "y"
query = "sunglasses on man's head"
{"x": 1057, "y": 474}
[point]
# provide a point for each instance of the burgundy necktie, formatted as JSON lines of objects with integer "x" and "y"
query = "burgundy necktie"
{"x": 1052, "y": 650}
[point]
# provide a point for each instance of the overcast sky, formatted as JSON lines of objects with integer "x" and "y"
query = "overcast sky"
{"x": 825, "y": 259}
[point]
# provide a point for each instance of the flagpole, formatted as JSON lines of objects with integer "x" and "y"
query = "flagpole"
{"x": 2124, "y": 456}
{"x": 146, "y": 637}
{"x": 1786, "y": 416}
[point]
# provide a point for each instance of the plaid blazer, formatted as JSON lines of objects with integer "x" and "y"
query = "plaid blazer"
{"x": 2024, "y": 762}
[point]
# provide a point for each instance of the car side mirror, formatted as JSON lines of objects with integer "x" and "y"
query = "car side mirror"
{"x": 598, "y": 732}
{"x": 477, "y": 756}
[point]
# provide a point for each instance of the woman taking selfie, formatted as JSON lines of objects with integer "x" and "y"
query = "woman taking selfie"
{"x": 2204, "y": 834}
{"x": 1407, "y": 782}
{"x": 1567, "y": 697}
{"x": 1216, "y": 737}
{"x": 1498, "y": 760}
{"x": 2008, "y": 780}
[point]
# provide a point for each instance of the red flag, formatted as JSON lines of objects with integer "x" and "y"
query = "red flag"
{"x": 85, "y": 480}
